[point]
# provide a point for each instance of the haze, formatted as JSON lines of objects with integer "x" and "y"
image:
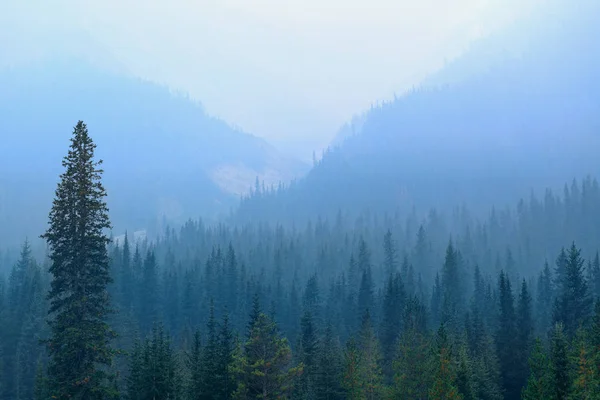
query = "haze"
{"x": 290, "y": 71}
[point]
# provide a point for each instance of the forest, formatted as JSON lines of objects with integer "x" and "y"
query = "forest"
{"x": 375, "y": 306}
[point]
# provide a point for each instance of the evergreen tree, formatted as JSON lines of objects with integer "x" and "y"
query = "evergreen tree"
{"x": 79, "y": 346}
{"x": 559, "y": 362}
{"x": 586, "y": 382}
{"x": 411, "y": 364}
{"x": 352, "y": 379}
{"x": 309, "y": 348}
{"x": 393, "y": 305}
{"x": 539, "y": 383}
{"x": 370, "y": 361}
{"x": 149, "y": 293}
{"x": 506, "y": 336}
{"x": 210, "y": 384}
{"x": 225, "y": 358}
{"x": 265, "y": 370}
{"x": 573, "y": 304}
{"x": 154, "y": 370}
{"x": 444, "y": 371}
{"x": 195, "y": 368}
{"x": 452, "y": 290}
{"x": 544, "y": 300}
{"x": 329, "y": 369}
{"x": 391, "y": 257}
{"x": 524, "y": 336}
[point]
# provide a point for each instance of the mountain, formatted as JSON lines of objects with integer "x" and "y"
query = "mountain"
{"x": 164, "y": 155}
{"x": 518, "y": 111}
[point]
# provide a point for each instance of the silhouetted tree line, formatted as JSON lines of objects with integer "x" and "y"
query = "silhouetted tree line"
{"x": 372, "y": 308}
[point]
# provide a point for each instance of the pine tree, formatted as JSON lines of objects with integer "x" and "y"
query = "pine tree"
{"x": 506, "y": 336}
{"x": 444, "y": 371}
{"x": 370, "y": 361}
{"x": 264, "y": 369}
{"x": 586, "y": 382}
{"x": 573, "y": 304}
{"x": 195, "y": 368}
{"x": 524, "y": 336}
{"x": 559, "y": 362}
{"x": 391, "y": 257}
{"x": 149, "y": 293}
{"x": 352, "y": 379}
{"x": 544, "y": 300}
{"x": 211, "y": 385}
{"x": 227, "y": 346}
{"x": 539, "y": 383}
{"x": 309, "y": 348}
{"x": 393, "y": 305}
{"x": 411, "y": 364}
{"x": 452, "y": 290}
{"x": 79, "y": 346}
{"x": 329, "y": 369}
{"x": 154, "y": 369}
{"x": 464, "y": 374}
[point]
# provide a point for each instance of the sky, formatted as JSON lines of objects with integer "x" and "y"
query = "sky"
{"x": 291, "y": 71}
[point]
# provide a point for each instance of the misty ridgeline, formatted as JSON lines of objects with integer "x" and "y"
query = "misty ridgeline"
{"x": 402, "y": 265}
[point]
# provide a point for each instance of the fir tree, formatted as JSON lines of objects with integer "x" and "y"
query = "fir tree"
{"x": 573, "y": 304}
{"x": 506, "y": 336}
{"x": 329, "y": 369}
{"x": 411, "y": 365}
{"x": 560, "y": 378}
{"x": 195, "y": 368}
{"x": 352, "y": 379}
{"x": 524, "y": 336}
{"x": 370, "y": 360}
{"x": 391, "y": 257}
{"x": 539, "y": 383}
{"x": 264, "y": 368}
{"x": 444, "y": 371}
{"x": 79, "y": 346}
{"x": 586, "y": 382}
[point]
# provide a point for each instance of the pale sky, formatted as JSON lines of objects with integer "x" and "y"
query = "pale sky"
{"x": 291, "y": 71}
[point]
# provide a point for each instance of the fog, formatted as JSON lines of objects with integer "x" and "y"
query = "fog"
{"x": 290, "y": 71}
{"x": 299, "y": 200}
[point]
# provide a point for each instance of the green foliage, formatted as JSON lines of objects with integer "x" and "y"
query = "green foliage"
{"x": 444, "y": 384}
{"x": 264, "y": 368}
{"x": 154, "y": 370}
{"x": 79, "y": 346}
{"x": 539, "y": 383}
{"x": 412, "y": 365}
{"x": 573, "y": 305}
{"x": 560, "y": 375}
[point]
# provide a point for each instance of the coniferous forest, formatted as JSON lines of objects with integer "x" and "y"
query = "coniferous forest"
{"x": 371, "y": 307}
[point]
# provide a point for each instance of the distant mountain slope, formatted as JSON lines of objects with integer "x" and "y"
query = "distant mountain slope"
{"x": 164, "y": 156}
{"x": 518, "y": 111}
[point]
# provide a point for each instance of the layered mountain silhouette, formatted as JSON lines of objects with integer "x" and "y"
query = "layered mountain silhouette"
{"x": 165, "y": 157}
{"x": 518, "y": 111}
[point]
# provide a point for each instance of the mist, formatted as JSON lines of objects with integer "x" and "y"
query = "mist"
{"x": 299, "y": 200}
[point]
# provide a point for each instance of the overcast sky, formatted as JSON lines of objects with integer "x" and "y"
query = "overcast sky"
{"x": 291, "y": 71}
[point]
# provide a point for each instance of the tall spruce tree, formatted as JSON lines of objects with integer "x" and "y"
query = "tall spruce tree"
{"x": 79, "y": 346}
{"x": 573, "y": 304}
{"x": 539, "y": 383}
{"x": 560, "y": 377}
{"x": 506, "y": 338}
{"x": 524, "y": 335}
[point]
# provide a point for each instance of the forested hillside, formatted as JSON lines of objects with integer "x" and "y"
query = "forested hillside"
{"x": 169, "y": 158}
{"x": 519, "y": 111}
{"x": 441, "y": 307}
